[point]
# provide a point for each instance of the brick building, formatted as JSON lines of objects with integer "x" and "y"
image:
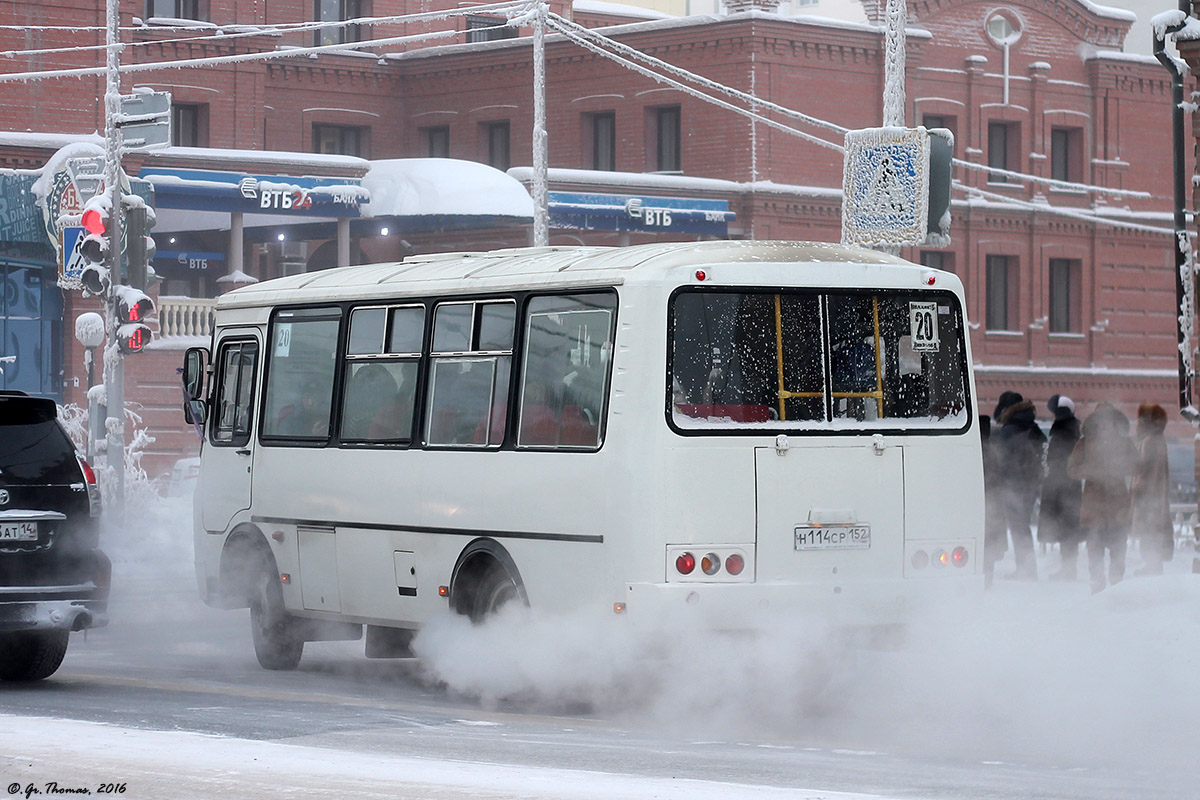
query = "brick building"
{"x": 1080, "y": 303}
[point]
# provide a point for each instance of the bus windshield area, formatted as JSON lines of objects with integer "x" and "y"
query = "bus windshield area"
{"x": 836, "y": 360}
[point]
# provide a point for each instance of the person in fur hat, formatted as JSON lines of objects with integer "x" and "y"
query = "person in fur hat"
{"x": 1019, "y": 449}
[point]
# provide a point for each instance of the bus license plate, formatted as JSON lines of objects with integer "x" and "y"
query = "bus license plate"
{"x": 18, "y": 532}
{"x": 833, "y": 537}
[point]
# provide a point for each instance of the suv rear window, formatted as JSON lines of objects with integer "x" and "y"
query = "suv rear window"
{"x": 33, "y": 448}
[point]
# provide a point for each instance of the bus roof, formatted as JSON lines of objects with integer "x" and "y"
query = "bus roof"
{"x": 530, "y": 267}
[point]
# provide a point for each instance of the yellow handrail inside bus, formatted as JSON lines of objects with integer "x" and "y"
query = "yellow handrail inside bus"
{"x": 785, "y": 394}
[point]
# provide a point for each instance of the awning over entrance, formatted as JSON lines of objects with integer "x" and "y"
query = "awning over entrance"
{"x": 620, "y": 212}
{"x": 238, "y": 192}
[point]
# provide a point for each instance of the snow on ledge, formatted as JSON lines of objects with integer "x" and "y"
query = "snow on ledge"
{"x": 1108, "y": 11}
{"x": 1119, "y": 55}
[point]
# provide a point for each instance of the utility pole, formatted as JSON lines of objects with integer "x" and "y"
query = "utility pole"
{"x": 541, "y": 221}
{"x": 893, "y": 64}
{"x": 114, "y": 362}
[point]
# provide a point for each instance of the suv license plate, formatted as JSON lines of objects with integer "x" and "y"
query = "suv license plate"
{"x": 833, "y": 537}
{"x": 18, "y": 531}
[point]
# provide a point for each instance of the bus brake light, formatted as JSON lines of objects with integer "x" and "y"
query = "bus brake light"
{"x": 735, "y": 564}
{"x": 685, "y": 564}
{"x": 959, "y": 556}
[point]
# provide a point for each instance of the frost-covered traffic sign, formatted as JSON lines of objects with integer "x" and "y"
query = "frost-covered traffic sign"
{"x": 71, "y": 247}
{"x": 886, "y": 187}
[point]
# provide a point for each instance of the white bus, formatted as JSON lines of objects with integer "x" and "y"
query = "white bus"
{"x": 725, "y": 425}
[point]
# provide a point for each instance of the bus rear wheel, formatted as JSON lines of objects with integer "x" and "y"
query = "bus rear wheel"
{"x": 492, "y": 590}
{"x": 276, "y": 644}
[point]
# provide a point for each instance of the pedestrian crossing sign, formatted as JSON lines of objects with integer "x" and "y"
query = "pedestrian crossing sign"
{"x": 73, "y": 259}
{"x": 886, "y": 187}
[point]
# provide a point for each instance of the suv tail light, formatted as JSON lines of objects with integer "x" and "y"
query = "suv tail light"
{"x": 89, "y": 474}
{"x": 93, "y": 490}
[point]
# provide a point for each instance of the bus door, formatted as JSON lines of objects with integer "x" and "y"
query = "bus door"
{"x": 828, "y": 511}
{"x": 224, "y": 488}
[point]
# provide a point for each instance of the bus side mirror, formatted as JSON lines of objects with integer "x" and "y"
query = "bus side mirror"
{"x": 195, "y": 411}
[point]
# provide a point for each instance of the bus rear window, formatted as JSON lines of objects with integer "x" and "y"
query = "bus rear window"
{"x": 808, "y": 360}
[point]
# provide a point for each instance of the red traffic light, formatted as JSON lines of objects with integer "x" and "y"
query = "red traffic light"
{"x": 93, "y": 221}
{"x": 132, "y": 305}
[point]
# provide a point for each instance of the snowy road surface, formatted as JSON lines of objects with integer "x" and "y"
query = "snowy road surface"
{"x": 1035, "y": 691}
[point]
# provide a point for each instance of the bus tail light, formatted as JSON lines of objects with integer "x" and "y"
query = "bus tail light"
{"x": 715, "y": 563}
{"x": 931, "y": 558}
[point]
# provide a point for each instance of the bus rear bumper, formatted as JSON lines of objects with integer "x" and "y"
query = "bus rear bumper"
{"x": 747, "y": 606}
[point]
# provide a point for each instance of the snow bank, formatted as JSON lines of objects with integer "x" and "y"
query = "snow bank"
{"x": 190, "y": 765}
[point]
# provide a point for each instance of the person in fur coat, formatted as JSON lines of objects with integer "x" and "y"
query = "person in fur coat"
{"x": 1151, "y": 506}
{"x": 1058, "y": 517}
{"x": 1019, "y": 449}
{"x": 1104, "y": 459}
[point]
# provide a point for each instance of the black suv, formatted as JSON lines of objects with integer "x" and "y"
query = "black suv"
{"x": 53, "y": 579}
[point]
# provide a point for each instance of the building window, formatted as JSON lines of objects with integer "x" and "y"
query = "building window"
{"x": 1066, "y": 154}
{"x": 175, "y": 9}
{"x": 938, "y": 259}
{"x": 189, "y": 125}
{"x": 1064, "y": 295}
{"x": 341, "y": 140}
{"x": 437, "y": 141}
{"x": 489, "y": 29}
{"x": 1001, "y": 295}
{"x": 496, "y": 135}
{"x": 604, "y": 141}
{"x": 1003, "y": 141}
{"x": 338, "y": 11}
{"x": 666, "y": 149}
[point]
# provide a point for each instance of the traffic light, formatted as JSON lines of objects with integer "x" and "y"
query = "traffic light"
{"x": 94, "y": 244}
{"x": 132, "y": 306}
{"x": 94, "y": 276}
{"x": 140, "y": 248}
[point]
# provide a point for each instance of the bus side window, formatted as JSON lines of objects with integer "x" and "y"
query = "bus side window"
{"x": 383, "y": 353}
{"x": 568, "y": 343}
{"x": 301, "y": 362}
{"x": 469, "y": 373}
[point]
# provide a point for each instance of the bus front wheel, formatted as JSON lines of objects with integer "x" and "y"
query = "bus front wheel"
{"x": 276, "y": 644}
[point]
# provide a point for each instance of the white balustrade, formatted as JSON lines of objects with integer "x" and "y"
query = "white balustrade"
{"x": 185, "y": 316}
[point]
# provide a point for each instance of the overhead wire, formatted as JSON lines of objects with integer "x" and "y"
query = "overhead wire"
{"x": 219, "y": 33}
{"x": 584, "y": 37}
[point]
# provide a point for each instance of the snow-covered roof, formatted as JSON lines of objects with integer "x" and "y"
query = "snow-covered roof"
{"x": 558, "y": 267}
{"x": 619, "y": 9}
{"x": 49, "y": 141}
{"x": 442, "y": 186}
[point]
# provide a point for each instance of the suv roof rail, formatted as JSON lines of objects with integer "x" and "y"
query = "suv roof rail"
{"x": 14, "y": 392}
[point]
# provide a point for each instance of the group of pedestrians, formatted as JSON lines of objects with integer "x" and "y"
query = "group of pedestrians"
{"x": 1097, "y": 483}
